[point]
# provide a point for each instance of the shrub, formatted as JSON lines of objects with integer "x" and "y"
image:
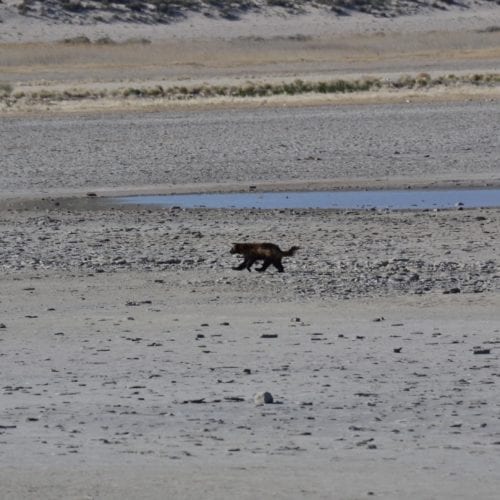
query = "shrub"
{"x": 407, "y": 82}
{"x": 23, "y": 8}
{"x": 5, "y": 89}
{"x": 155, "y": 91}
{"x": 490, "y": 29}
{"x": 77, "y": 39}
{"x": 72, "y": 5}
{"x": 131, "y": 91}
{"x": 139, "y": 40}
{"x": 105, "y": 40}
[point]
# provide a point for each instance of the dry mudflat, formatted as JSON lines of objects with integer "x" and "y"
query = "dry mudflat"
{"x": 131, "y": 352}
{"x": 427, "y": 145}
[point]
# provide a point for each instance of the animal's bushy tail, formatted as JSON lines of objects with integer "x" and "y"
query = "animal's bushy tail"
{"x": 290, "y": 252}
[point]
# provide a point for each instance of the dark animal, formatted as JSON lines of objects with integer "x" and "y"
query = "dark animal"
{"x": 269, "y": 253}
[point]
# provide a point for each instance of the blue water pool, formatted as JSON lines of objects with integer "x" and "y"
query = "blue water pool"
{"x": 391, "y": 199}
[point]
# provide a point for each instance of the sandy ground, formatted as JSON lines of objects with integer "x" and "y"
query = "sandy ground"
{"x": 317, "y": 22}
{"x": 101, "y": 399}
{"x": 131, "y": 351}
{"x": 339, "y": 146}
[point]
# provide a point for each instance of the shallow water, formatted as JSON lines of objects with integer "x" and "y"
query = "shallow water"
{"x": 393, "y": 199}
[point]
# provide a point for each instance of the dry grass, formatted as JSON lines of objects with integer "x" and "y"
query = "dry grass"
{"x": 111, "y": 61}
{"x": 84, "y": 73}
{"x": 420, "y": 87}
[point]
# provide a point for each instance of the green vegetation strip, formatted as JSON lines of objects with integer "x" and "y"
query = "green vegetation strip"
{"x": 9, "y": 96}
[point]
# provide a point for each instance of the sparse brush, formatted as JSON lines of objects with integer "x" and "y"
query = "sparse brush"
{"x": 5, "y": 89}
{"x": 490, "y": 29}
{"x": 152, "y": 11}
{"x": 250, "y": 89}
{"x": 246, "y": 91}
{"x": 155, "y": 91}
{"x": 133, "y": 92}
{"x": 75, "y": 94}
{"x": 105, "y": 40}
{"x": 138, "y": 40}
{"x": 405, "y": 81}
{"x": 73, "y": 5}
{"x": 79, "y": 39}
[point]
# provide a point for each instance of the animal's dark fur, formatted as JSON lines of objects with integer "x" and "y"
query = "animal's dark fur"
{"x": 269, "y": 253}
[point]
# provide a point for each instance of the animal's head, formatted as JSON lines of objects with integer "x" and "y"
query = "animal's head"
{"x": 234, "y": 248}
{"x": 294, "y": 249}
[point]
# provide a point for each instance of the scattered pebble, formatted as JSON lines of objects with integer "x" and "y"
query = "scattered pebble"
{"x": 262, "y": 398}
{"x": 482, "y": 351}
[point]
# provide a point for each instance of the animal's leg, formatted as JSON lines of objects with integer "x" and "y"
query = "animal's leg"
{"x": 250, "y": 262}
{"x": 265, "y": 265}
{"x": 278, "y": 265}
{"x": 242, "y": 265}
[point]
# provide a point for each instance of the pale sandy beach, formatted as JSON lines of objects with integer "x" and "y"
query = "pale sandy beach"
{"x": 131, "y": 351}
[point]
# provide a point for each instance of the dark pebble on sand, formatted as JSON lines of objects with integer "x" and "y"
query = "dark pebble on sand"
{"x": 482, "y": 351}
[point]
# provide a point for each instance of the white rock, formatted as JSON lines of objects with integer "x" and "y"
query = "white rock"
{"x": 262, "y": 398}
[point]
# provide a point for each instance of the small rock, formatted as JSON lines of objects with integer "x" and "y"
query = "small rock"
{"x": 262, "y": 398}
{"x": 482, "y": 351}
